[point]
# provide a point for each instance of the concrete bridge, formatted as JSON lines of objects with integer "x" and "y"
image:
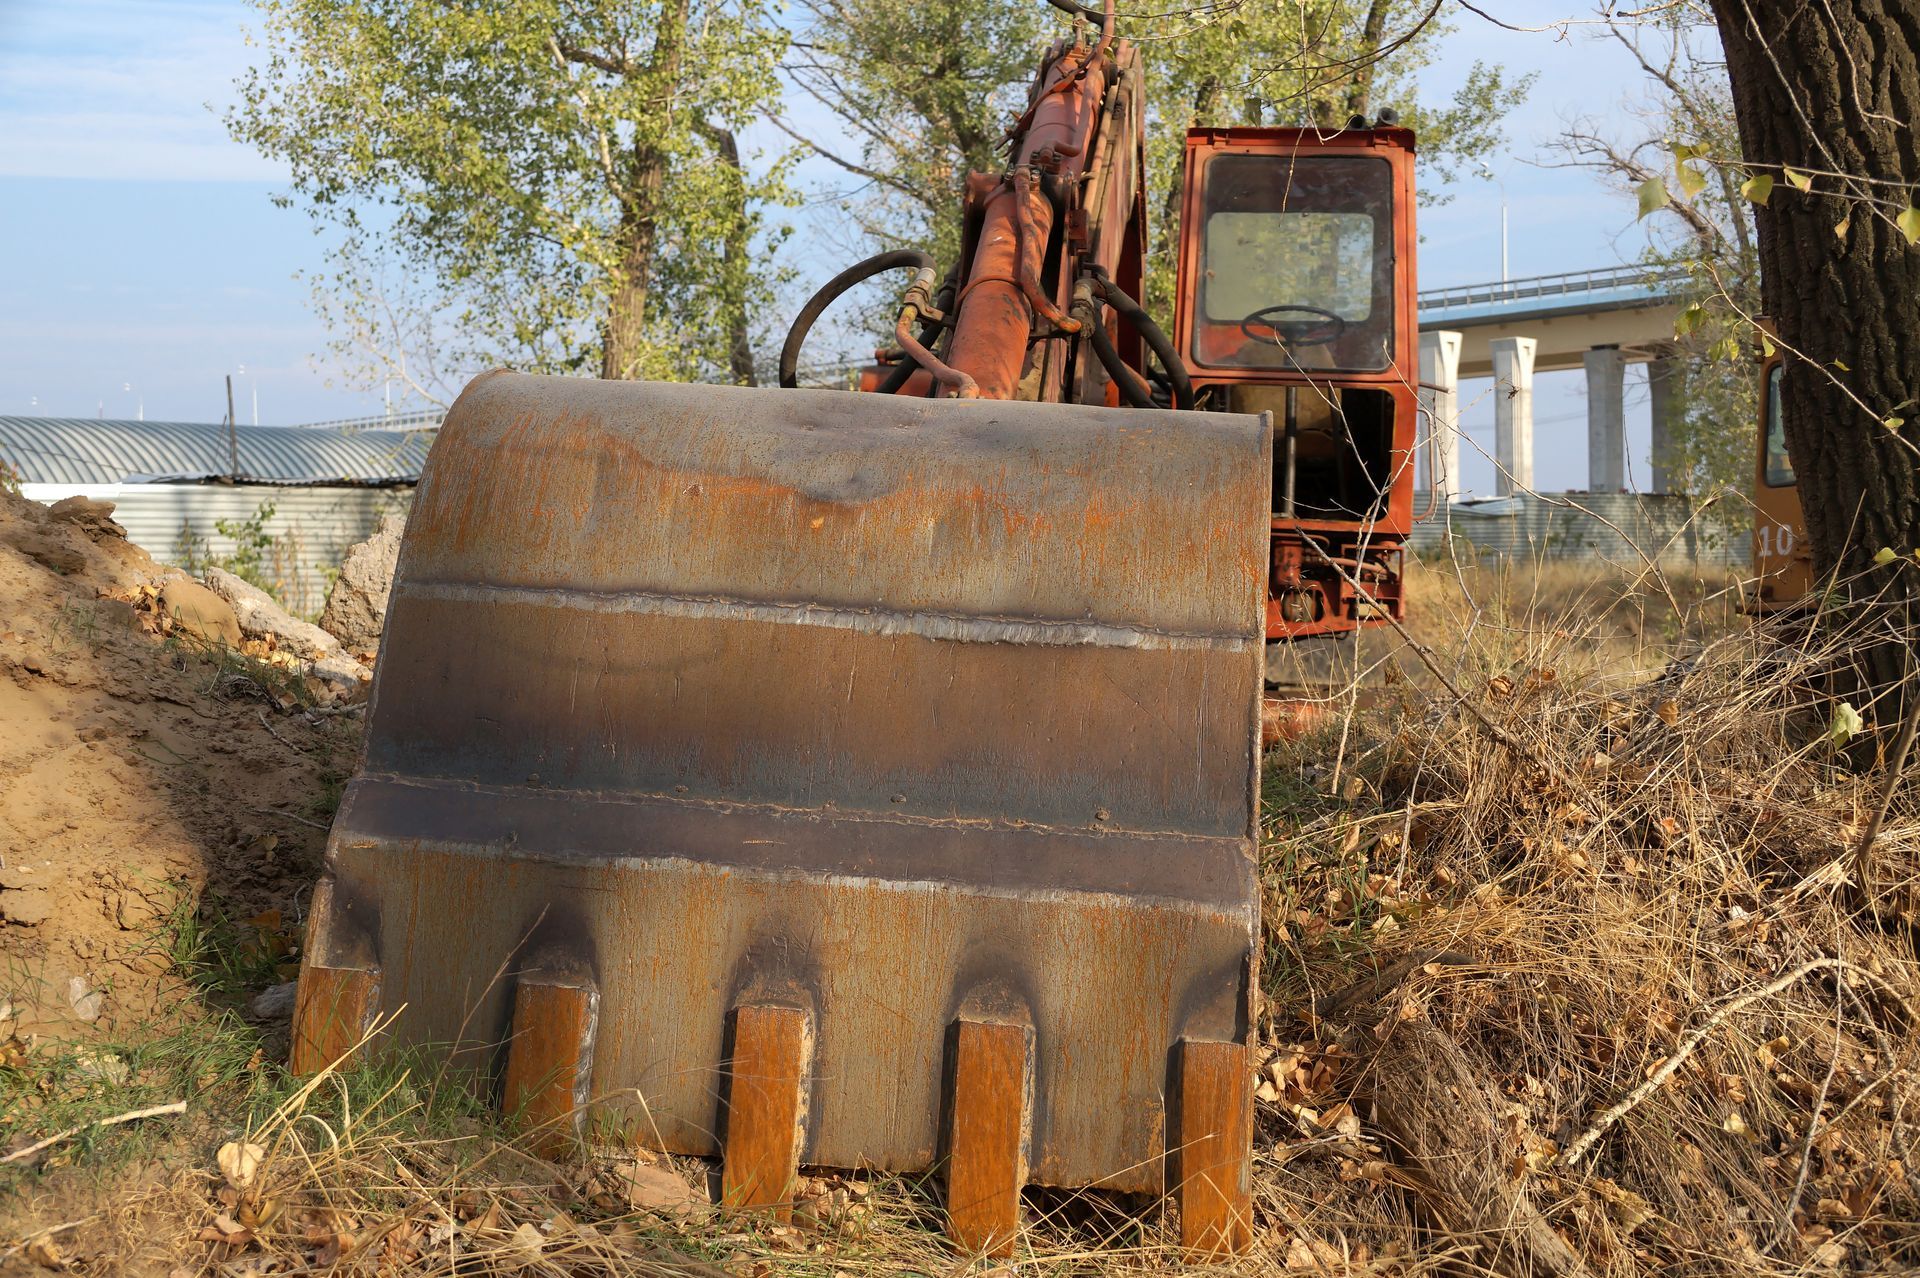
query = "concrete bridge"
{"x": 1600, "y": 320}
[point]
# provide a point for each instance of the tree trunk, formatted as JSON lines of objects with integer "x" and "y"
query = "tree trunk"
{"x": 1366, "y": 57}
{"x": 623, "y": 335}
{"x": 1834, "y": 88}
{"x": 735, "y": 264}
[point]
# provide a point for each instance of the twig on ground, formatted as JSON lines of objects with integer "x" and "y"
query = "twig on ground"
{"x": 276, "y": 735}
{"x": 47, "y": 1232}
{"x": 132, "y": 1115}
{"x": 1371, "y": 989}
{"x": 1785, "y": 1221}
{"x": 282, "y": 812}
{"x": 1691, "y": 1043}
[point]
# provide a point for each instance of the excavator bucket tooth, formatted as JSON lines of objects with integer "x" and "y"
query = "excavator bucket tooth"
{"x": 822, "y": 779}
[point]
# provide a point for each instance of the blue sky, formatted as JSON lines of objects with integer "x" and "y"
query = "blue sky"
{"x": 142, "y": 249}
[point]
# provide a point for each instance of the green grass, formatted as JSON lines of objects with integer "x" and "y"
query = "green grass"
{"x": 222, "y": 958}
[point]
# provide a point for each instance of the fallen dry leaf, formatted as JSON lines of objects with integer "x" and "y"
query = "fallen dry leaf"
{"x": 657, "y": 1189}
{"x": 240, "y": 1162}
{"x": 225, "y": 1229}
{"x": 528, "y": 1242}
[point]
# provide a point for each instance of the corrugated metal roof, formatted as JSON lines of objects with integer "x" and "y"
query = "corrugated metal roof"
{"x": 86, "y": 450}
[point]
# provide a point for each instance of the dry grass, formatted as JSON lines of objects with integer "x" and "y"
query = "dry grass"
{"x": 1615, "y": 851}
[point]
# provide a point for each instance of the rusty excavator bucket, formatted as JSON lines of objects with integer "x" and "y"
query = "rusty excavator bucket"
{"x": 805, "y": 778}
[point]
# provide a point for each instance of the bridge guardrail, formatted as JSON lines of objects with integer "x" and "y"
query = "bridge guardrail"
{"x": 1569, "y": 283}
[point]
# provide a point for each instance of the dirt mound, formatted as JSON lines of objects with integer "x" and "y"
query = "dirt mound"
{"x": 149, "y": 781}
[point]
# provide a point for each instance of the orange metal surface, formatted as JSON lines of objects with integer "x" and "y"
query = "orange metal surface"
{"x": 769, "y": 1073}
{"x": 339, "y": 994}
{"x": 334, "y": 1008}
{"x": 549, "y": 1059}
{"x": 883, "y": 701}
{"x": 1378, "y": 536}
{"x": 1001, "y": 294}
{"x": 1215, "y": 1139}
{"x": 990, "y": 1117}
{"x": 1782, "y": 554}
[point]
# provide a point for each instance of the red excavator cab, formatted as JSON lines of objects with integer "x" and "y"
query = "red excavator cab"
{"x": 1296, "y": 297}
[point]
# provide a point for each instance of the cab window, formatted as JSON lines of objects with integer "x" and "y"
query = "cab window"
{"x": 1779, "y": 465}
{"x": 1296, "y": 263}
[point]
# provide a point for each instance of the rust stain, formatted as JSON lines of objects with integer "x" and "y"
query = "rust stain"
{"x": 334, "y": 1008}
{"x": 1215, "y": 1120}
{"x": 548, "y": 1060}
{"x": 991, "y": 1116}
{"x": 767, "y": 1081}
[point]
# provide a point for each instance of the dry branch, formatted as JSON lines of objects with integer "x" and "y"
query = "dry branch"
{"x": 1697, "y": 1036}
{"x": 132, "y": 1115}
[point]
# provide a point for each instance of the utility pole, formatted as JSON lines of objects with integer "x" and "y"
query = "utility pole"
{"x": 233, "y": 437}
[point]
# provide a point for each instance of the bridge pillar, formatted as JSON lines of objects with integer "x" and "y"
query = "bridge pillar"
{"x": 1513, "y": 412}
{"x": 1440, "y": 399}
{"x": 1606, "y": 420}
{"x": 1667, "y": 388}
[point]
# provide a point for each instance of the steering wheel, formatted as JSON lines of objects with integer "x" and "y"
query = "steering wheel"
{"x": 1324, "y": 328}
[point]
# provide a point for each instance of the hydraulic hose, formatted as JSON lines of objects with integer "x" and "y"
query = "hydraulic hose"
{"x": 1170, "y": 359}
{"x": 1087, "y": 311}
{"x": 929, "y": 329}
{"x": 830, "y": 292}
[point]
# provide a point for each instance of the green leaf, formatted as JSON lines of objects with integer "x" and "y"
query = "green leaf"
{"x": 1689, "y": 320}
{"x": 1767, "y": 348}
{"x": 1692, "y": 180}
{"x": 1909, "y": 224}
{"x": 1841, "y": 364}
{"x": 1846, "y": 723}
{"x": 1801, "y": 181}
{"x": 1757, "y": 188}
{"x": 1893, "y": 423}
{"x": 1884, "y": 556}
{"x": 1684, "y": 151}
{"x": 1653, "y": 196}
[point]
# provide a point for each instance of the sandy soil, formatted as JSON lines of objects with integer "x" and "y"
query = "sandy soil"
{"x": 143, "y": 775}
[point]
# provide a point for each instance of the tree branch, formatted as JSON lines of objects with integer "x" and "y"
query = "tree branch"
{"x": 861, "y": 170}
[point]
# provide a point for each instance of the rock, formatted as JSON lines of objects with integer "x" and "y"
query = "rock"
{"x": 26, "y": 906}
{"x": 262, "y": 618}
{"x": 95, "y": 517}
{"x": 86, "y": 1003}
{"x": 338, "y": 678}
{"x": 275, "y": 1003}
{"x": 356, "y": 608}
{"x": 199, "y": 611}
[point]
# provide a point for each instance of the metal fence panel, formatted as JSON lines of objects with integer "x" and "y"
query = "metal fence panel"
{"x": 311, "y": 529}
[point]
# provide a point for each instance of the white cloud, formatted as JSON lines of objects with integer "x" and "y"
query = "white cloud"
{"x": 110, "y": 89}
